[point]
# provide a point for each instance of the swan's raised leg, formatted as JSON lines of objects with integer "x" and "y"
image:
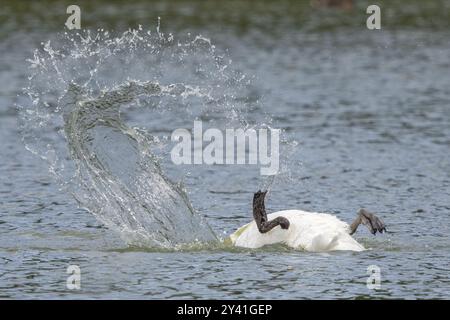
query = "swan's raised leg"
{"x": 371, "y": 221}
{"x": 260, "y": 215}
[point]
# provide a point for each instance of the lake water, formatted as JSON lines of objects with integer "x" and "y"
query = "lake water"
{"x": 367, "y": 111}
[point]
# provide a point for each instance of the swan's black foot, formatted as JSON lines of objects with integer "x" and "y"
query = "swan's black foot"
{"x": 371, "y": 221}
{"x": 283, "y": 222}
{"x": 260, "y": 215}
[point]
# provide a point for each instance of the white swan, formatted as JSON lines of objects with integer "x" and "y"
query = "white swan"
{"x": 308, "y": 231}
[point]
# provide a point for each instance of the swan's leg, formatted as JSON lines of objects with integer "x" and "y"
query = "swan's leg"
{"x": 371, "y": 221}
{"x": 260, "y": 215}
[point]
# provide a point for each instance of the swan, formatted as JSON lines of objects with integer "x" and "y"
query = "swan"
{"x": 309, "y": 231}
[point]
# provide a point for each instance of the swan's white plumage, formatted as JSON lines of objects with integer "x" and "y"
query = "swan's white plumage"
{"x": 308, "y": 231}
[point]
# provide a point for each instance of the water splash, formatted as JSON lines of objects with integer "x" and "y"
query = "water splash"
{"x": 74, "y": 122}
{"x": 78, "y": 86}
{"x": 116, "y": 173}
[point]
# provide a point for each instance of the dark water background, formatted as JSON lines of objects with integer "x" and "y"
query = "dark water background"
{"x": 371, "y": 113}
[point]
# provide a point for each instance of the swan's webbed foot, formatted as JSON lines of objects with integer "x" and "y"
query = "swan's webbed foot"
{"x": 260, "y": 215}
{"x": 370, "y": 220}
